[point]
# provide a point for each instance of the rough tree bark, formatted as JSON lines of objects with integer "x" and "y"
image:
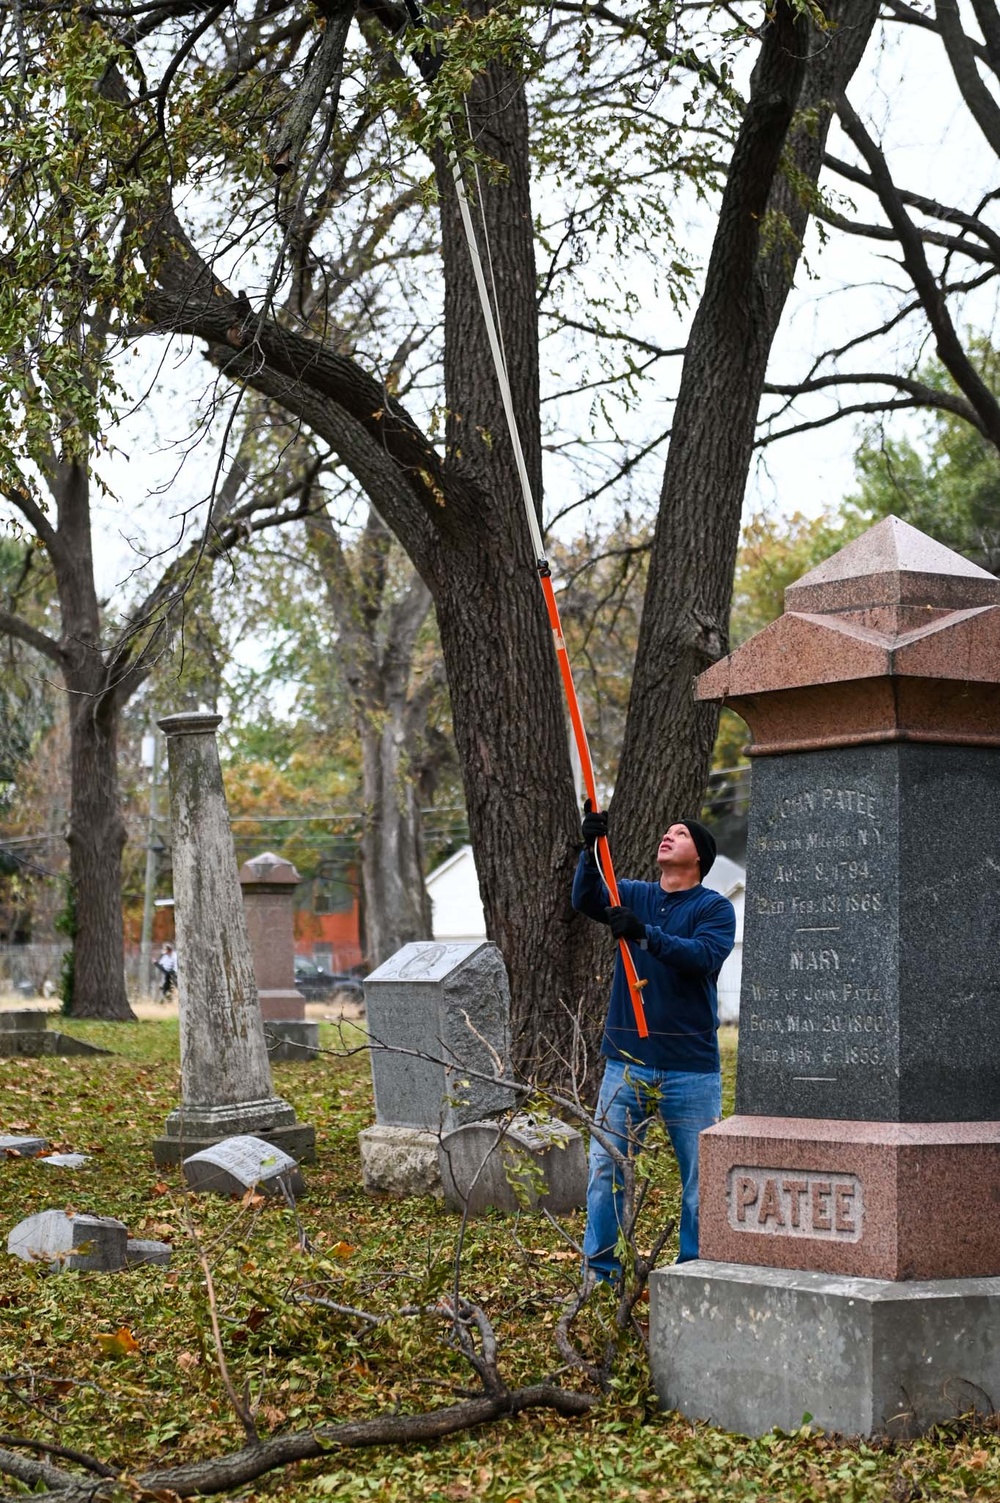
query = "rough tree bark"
{"x": 96, "y": 833}
{"x": 669, "y": 738}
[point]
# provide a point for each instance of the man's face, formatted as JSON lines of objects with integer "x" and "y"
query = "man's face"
{"x": 677, "y": 849}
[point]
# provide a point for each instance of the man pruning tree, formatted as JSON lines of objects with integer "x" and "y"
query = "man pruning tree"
{"x": 679, "y": 934}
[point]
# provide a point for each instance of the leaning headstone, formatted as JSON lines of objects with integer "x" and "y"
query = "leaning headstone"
{"x": 269, "y": 884}
{"x": 62, "y": 1239}
{"x": 140, "y": 1250}
{"x": 226, "y": 1086}
{"x": 22, "y": 1148}
{"x": 242, "y": 1163}
{"x": 439, "y": 1038}
{"x": 850, "y": 1263}
{"x": 514, "y": 1166}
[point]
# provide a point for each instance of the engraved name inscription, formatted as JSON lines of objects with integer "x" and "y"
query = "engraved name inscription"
{"x": 795, "y": 1203}
{"x": 819, "y": 895}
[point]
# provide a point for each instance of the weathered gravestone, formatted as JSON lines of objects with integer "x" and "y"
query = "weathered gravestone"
{"x": 226, "y": 1083}
{"x": 89, "y": 1244}
{"x": 514, "y": 1165}
{"x": 435, "y": 1012}
{"x": 865, "y": 1152}
{"x": 269, "y": 882}
{"x": 142, "y": 1251}
{"x": 62, "y": 1240}
{"x": 243, "y": 1163}
{"x": 22, "y": 1147}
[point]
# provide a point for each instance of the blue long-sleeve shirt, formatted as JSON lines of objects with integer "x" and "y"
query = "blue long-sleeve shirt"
{"x": 688, "y": 936}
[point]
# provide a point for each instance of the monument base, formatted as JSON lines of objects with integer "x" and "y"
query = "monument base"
{"x": 872, "y": 1200}
{"x": 192, "y": 1129}
{"x": 299, "y": 1141}
{"x": 291, "y": 1039}
{"x": 400, "y": 1161}
{"x": 278, "y": 1003}
{"x": 752, "y": 1349}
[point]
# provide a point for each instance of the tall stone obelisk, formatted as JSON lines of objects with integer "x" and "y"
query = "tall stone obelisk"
{"x": 226, "y": 1086}
{"x": 850, "y": 1256}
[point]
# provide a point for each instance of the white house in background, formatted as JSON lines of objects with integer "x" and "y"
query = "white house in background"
{"x": 729, "y": 879}
{"x": 456, "y": 907}
{"x": 457, "y": 913}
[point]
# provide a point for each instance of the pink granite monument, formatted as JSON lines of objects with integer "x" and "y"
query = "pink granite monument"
{"x": 269, "y": 882}
{"x": 850, "y": 1210}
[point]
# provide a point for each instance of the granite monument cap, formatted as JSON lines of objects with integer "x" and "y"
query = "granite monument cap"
{"x": 428, "y": 962}
{"x": 190, "y": 723}
{"x": 268, "y": 870}
{"x": 879, "y": 643}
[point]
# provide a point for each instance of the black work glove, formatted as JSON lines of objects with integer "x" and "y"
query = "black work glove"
{"x": 624, "y": 925}
{"x": 594, "y": 825}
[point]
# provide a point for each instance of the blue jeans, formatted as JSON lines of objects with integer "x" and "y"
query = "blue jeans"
{"x": 631, "y": 1097}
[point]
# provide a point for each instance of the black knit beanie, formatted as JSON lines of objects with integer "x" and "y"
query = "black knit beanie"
{"x": 704, "y": 844}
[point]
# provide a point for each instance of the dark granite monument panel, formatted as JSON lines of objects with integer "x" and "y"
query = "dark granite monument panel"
{"x": 871, "y": 956}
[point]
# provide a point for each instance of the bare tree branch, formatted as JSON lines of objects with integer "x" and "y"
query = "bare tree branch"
{"x": 922, "y": 395}
{"x": 949, "y": 345}
{"x": 14, "y": 626}
{"x": 982, "y": 106}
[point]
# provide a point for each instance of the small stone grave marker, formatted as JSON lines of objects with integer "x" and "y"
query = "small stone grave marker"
{"x": 22, "y": 1148}
{"x": 242, "y": 1163}
{"x": 66, "y": 1240}
{"x": 65, "y": 1160}
{"x": 514, "y": 1168}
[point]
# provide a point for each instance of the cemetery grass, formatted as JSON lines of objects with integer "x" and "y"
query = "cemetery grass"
{"x": 122, "y": 1365}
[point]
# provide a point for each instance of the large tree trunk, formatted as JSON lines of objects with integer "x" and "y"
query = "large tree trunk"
{"x": 96, "y": 838}
{"x": 96, "y": 830}
{"x": 397, "y": 906}
{"x": 669, "y": 738}
{"x": 506, "y": 700}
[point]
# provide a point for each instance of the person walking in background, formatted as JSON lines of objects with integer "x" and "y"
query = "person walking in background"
{"x": 167, "y": 963}
{"x": 680, "y": 933}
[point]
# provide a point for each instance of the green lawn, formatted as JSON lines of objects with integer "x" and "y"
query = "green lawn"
{"x": 163, "y": 1401}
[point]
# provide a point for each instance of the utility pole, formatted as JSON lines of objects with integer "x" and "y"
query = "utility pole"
{"x": 150, "y": 759}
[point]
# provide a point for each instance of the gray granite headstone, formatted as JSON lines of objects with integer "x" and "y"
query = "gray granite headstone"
{"x": 22, "y": 1148}
{"x": 241, "y": 1163}
{"x": 65, "y": 1240}
{"x": 871, "y": 953}
{"x": 433, "y": 1009}
{"x": 514, "y": 1167}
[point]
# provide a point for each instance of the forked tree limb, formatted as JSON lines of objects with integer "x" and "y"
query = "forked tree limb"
{"x": 219, "y": 1473}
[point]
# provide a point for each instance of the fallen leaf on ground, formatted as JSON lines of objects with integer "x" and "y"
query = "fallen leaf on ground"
{"x": 118, "y": 1344}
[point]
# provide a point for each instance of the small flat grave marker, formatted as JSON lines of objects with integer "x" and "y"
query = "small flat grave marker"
{"x": 22, "y": 1148}
{"x": 239, "y": 1164}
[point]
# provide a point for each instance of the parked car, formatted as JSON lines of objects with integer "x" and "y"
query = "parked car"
{"x": 316, "y": 984}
